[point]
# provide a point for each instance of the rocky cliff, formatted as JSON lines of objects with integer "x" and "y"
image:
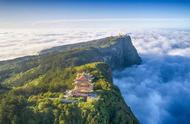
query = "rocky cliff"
{"x": 121, "y": 54}
{"x": 117, "y": 51}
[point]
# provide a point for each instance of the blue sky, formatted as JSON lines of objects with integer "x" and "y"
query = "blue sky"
{"x": 27, "y": 11}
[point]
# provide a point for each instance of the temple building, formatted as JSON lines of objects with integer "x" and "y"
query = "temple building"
{"x": 82, "y": 85}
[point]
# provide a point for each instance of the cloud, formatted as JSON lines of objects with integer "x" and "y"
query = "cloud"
{"x": 172, "y": 42}
{"x": 158, "y": 90}
{"x": 17, "y": 43}
{"x": 20, "y": 43}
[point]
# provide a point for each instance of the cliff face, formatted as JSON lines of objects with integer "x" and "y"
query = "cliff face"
{"x": 33, "y": 80}
{"x": 121, "y": 54}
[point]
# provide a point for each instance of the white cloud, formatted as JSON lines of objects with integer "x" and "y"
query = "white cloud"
{"x": 158, "y": 90}
{"x": 171, "y": 42}
{"x": 19, "y": 43}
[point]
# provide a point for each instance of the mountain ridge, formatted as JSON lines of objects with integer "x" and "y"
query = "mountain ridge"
{"x": 53, "y": 72}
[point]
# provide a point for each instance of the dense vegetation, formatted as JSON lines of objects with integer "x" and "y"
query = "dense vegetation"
{"x": 32, "y": 88}
{"x": 31, "y": 103}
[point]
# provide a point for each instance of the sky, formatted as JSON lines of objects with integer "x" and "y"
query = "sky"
{"x": 29, "y": 13}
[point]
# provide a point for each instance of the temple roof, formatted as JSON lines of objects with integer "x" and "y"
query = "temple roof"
{"x": 83, "y": 78}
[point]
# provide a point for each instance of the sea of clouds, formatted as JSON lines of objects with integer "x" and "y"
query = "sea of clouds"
{"x": 18, "y": 43}
{"x": 158, "y": 90}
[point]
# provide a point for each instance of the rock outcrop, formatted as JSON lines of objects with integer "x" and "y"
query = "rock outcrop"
{"x": 121, "y": 54}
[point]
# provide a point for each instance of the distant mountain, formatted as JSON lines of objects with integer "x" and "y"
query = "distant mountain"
{"x": 31, "y": 82}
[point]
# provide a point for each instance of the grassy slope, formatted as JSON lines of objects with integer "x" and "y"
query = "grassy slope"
{"x": 10, "y": 68}
{"x": 58, "y": 57}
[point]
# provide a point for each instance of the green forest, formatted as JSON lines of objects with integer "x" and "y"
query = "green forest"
{"x": 30, "y": 103}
